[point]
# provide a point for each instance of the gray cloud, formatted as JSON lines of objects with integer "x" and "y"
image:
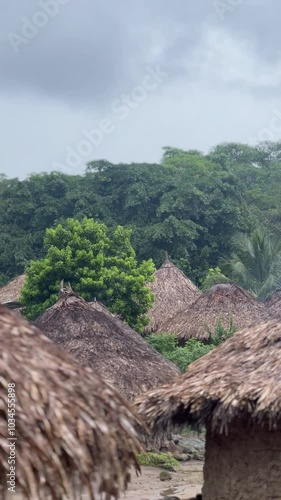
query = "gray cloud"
{"x": 93, "y": 50}
{"x": 66, "y": 77}
{"x": 89, "y": 51}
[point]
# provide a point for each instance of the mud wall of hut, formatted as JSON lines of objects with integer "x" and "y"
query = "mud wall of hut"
{"x": 245, "y": 465}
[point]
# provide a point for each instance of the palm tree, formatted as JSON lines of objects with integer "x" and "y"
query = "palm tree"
{"x": 256, "y": 263}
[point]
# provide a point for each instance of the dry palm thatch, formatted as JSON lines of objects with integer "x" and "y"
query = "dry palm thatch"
{"x": 97, "y": 340}
{"x": 240, "y": 379}
{"x": 226, "y": 303}
{"x": 173, "y": 292}
{"x": 121, "y": 324}
{"x": 72, "y": 429}
{"x": 276, "y": 296}
{"x": 10, "y": 293}
{"x": 273, "y": 305}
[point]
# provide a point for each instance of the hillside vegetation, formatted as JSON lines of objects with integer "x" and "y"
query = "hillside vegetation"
{"x": 191, "y": 205}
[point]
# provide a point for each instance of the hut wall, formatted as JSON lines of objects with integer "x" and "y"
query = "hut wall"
{"x": 245, "y": 465}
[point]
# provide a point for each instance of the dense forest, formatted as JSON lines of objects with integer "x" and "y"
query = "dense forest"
{"x": 191, "y": 205}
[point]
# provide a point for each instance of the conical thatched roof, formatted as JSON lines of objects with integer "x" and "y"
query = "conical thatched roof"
{"x": 120, "y": 355}
{"x": 70, "y": 425}
{"x": 173, "y": 292}
{"x": 121, "y": 324}
{"x": 239, "y": 379}
{"x": 10, "y": 293}
{"x": 226, "y": 302}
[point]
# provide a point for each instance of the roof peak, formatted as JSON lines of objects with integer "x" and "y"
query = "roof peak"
{"x": 167, "y": 261}
{"x": 231, "y": 287}
{"x": 66, "y": 291}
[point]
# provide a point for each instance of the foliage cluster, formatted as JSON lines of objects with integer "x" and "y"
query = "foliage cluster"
{"x": 191, "y": 205}
{"x": 100, "y": 264}
{"x": 168, "y": 345}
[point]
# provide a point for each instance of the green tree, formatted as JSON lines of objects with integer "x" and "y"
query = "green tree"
{"x": 27, "y": 209}
{"x": 234, "y": 153}
{"x": 98, "y": 263}
{"x": 213, "y": 277}
{"x": 191, "y": 205}
{"x": 256, "y": 262}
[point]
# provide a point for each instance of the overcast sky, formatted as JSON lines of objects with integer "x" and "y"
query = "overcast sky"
{"x": 90, "y": 79}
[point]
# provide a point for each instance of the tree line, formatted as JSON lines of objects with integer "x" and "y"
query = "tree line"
{"x": 193, "y": 206}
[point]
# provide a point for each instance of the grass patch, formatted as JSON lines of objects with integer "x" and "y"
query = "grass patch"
{"x": 162, "y": 460}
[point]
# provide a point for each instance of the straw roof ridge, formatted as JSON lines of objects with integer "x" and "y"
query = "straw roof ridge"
{"x": 274, "y": 297}
{"x": 10, "y": 293}
{"x": 173, "y": 291}
{"x": 229, "y": 288}
{"x": 225, "y": 302}
{"x": 114, "y": 317}
{"x": 239, "y": 379}
{"x": 73, "y": 430}
{"x": 273, "y": 306}
{"x": 106, "y": 344}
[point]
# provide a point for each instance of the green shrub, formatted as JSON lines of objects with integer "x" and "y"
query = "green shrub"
{"x": 195, "y": 349}
{"x": 167, "y": 345}
{"x": 220, "y": 334}
{"x": 162, "y": 460}
{"x": 163, "y": 342}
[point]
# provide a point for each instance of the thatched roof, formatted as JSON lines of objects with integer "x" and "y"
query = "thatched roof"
{"x": 70, "y": 424}
{"x": 173, "y": 292}
{"x": 273, "y": 305}
{"x": 120, "y": 355}
{"x": 276, "y": 296}
{"x": 10, "y": 293}
{"x": 121, "y": 324}
{"x": 226, "y": 302}
{"x": 239, "y": 379}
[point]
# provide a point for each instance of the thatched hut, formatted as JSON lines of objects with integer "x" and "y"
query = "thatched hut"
{"x": 10, "y": 293}
{"x": 72, "y": 430}
{"x": 226, "y": 303}
{"x": 97, "y": 340}
{"x": 173, "y": 292}
{"x": 235, "y": 391}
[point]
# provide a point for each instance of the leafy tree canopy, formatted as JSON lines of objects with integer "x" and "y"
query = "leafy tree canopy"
{"x": 191, "y": 205}
{"x": 98, "y": 263}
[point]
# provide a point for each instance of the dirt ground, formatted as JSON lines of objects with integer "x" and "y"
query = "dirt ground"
{"x": 185, "y": 483}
